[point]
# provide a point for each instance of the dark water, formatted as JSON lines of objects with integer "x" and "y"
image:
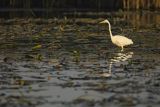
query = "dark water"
{"x": 72, "y": 62}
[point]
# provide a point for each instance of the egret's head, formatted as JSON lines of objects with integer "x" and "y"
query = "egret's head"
{"x": 105, "y": 21}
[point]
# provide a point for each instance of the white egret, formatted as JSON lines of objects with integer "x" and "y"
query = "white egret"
{"x": 118, "y": 40}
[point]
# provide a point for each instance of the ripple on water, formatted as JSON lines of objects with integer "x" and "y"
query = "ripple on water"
{"x": 77, "y": 66}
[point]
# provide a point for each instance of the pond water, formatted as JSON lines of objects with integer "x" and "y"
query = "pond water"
{"x": 71, "y": 62}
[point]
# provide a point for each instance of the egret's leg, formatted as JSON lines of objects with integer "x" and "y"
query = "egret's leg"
{"x": 122, "y": 49}
{"x": 110, "y": 67}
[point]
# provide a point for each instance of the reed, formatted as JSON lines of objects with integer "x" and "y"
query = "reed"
{"x": 141, "y": 4}
{"x": 82, "y": 4}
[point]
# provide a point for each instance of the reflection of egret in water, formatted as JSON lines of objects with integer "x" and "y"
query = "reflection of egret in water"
{"x": 120, "y": 57}
{"x": 117, "y": 58}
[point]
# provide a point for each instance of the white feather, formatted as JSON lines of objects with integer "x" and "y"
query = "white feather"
{"x": 118, "y": 40}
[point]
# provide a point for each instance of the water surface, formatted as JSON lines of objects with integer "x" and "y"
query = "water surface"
{"x": 71, "y": 62}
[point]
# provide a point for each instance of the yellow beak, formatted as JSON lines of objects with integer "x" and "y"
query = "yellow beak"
{"x": 102, "y": 22}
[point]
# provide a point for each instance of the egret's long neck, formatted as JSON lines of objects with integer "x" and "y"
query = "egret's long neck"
{"x": 110, "y": 30}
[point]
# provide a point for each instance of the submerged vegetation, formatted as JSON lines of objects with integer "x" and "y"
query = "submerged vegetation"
{"x": 71, "y": 62}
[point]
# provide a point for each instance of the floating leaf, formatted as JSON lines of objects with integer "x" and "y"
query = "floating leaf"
{"x": 36, "y": 37}
{"x": 76, "y": 55}
{"x": 39, "y": 57}
{"x": 30, "y": 88}
{"x": 49, "y": 77}
{"x": 29, "y": 56}
{"x": 22, "y": 82}
{"x": 37, "y": 47}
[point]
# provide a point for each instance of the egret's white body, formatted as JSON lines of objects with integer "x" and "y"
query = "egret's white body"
{"x": 118, "y": 40}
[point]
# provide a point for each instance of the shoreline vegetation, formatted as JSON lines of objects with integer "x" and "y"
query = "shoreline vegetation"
{"x": 136, "y": 19}
{"x": 81, "y": 4}
{"x": 73, "y": 8}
